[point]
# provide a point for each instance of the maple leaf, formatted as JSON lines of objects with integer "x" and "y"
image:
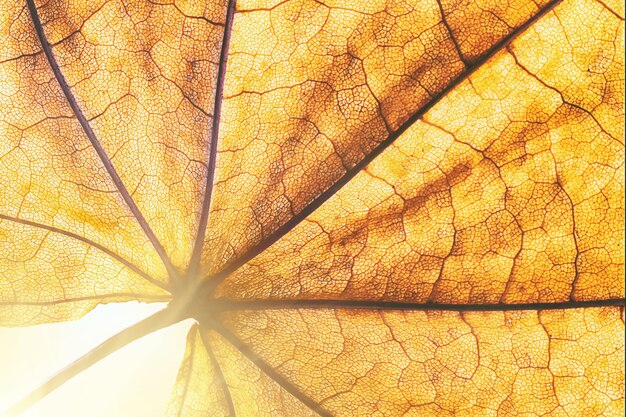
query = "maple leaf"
{"x": 370, "y": 208}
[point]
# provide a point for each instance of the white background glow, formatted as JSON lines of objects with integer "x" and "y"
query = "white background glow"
{"x": 133, "y": 382}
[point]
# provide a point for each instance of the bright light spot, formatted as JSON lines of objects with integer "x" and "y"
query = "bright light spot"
{"x": 133, "y": 382}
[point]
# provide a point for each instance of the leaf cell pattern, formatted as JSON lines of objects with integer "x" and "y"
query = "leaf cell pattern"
{"x": 370, "y": 208}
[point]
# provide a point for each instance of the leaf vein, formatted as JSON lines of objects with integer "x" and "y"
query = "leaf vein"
{"x": 84, "y": 123}
{"x": 91, "y": 243}
{"x": 348, "y": 175}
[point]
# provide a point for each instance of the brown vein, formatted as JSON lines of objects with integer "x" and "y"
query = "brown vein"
{"x": 217, "y": 110}
{"x": 229, "y": 305}
{"x": 130, "y": 295}
{"x": 268, "y": 369}
{"x": 220, "y": 376}
{"x": 84, "y": 123}
{"x": 351, "y": 173}
{"x": 91, "y": 243}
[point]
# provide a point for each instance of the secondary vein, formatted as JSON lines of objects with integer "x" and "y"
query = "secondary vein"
{"x": 95, "y": 142}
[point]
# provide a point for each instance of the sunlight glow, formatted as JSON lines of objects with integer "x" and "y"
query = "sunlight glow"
{"x": 144, "y": 369}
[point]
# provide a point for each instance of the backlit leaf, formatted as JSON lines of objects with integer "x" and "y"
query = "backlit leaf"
{"x": 369, "y": 207}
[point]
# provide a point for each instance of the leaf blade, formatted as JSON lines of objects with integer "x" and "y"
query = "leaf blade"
{"x": 258, "y": 389}
{"x": 236, "y": 156}
{"x": 95, "y": 142}
{"x": 145, "y": 77}
{"x": 457, "y": 209}
{"x": 396, "y": 362}
{"x": 49, "y": 276}
{"x": 199, "y": 389}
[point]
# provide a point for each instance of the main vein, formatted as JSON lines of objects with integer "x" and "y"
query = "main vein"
{"x": 351, "y": 173}
{"x": 88, "y": 242}
{"x": 229, "y": 305}
{"x": 84, "y": 123}
{"x": 281, "y": 380}
{"x": 220, "y": 376}
{"x": 215, "y": 127}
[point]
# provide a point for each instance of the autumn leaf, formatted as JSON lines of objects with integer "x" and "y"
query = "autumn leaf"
{"x": 369, "y": 207}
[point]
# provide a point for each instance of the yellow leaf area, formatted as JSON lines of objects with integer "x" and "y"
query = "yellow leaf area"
{"x": 371, "y": 208}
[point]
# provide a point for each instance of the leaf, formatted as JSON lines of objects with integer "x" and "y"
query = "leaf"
{"x": 370, "y": 208}
{"x": 201, "y": 391}
{"x": 442, "y": 363}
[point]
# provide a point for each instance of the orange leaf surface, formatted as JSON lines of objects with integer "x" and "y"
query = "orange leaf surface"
{"x": 370, "y": 208}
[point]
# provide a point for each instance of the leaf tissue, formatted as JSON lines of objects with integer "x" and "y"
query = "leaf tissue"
{"x": 370, "y": 208}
